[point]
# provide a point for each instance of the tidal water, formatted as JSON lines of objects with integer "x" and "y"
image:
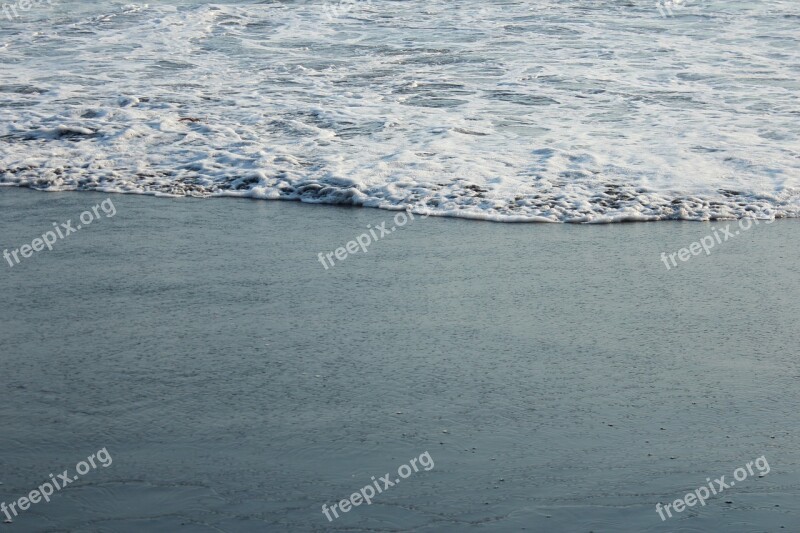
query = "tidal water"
{"x": 510, "y": 110}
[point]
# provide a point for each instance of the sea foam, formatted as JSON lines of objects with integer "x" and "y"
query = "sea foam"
{"x": 578, "y": 111}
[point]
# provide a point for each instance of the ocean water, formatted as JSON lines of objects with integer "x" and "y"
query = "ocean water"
{"x": 574, "y": 111}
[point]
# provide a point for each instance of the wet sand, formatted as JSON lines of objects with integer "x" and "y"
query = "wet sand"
{"x": 561, "y": 378}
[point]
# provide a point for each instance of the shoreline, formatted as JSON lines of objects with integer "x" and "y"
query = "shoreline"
{"x": 456, "y": 214}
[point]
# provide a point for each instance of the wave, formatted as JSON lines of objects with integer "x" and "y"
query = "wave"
{"x": 581, "y": 111}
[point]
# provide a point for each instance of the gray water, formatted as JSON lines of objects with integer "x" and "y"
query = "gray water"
{"x": 559, "y": 376}
{"x": 558, "y": 110}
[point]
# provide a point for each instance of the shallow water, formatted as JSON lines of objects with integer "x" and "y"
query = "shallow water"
{"x": 587, "y": 110}
{"x": 238, "y": 385}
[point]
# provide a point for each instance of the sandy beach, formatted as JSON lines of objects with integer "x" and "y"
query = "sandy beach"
{"x": 560, "y": 377}
{"x": 371, "y": 266}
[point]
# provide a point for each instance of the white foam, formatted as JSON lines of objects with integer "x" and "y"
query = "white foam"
{"x": 580, "y": 111}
